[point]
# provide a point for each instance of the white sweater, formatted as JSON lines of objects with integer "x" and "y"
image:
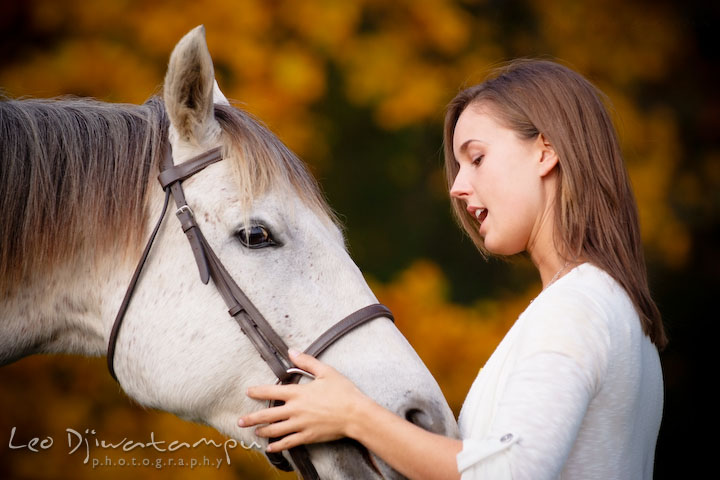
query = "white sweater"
{"x": 573, "y": 391}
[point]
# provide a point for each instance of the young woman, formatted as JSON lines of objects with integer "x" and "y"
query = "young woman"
{"x": 575, "y": 389}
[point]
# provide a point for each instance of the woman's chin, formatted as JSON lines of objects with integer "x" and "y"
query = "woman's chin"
{"x": 492, "y": 245}
{"x": 496, "y": 247}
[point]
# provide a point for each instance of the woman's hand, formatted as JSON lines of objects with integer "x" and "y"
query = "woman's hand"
{"x": 332, "y": 407}
{"x": 319, "y": 411}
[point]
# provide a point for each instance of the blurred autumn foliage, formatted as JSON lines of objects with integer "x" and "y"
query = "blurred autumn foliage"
{"x": 358, "y": 88}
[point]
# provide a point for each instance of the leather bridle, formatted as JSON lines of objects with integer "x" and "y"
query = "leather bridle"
{"x": 267, "y": 342}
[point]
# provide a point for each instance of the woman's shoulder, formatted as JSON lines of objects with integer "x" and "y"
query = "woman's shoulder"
{"x": 586, "y": 290}
{"x": 577, "y": 315}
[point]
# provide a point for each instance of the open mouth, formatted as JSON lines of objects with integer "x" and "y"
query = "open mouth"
{"x": 368, "y": 457}
{"x": 351, "y": 459}
{"x": 481, "y": 214}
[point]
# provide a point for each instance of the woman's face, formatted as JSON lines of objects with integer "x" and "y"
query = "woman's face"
{"x": 499, "y": 181}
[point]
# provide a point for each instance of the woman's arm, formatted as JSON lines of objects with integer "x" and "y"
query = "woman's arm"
{"x": 332, "y": 407}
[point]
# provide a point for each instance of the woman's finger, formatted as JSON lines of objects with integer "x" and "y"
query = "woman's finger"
{"x": 288, "y": 442}
{"x": 267, "y": 415}
{"x": 271, "y": 392}
{"x": 278, "y": 429}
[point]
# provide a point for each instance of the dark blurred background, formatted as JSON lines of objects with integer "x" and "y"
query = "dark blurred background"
{"x": 357, "y": 89}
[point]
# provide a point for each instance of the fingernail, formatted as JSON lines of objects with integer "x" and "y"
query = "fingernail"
{"x": 269, "y": 449}
{"x": 292, "y": 352}
{"x": 241, "y": 423}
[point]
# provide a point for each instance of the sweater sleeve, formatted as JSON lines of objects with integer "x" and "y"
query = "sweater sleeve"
{"x": 545, "y": 399}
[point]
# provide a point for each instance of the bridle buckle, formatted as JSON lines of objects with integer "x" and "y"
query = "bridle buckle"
{"x": 295, "y": 371}
{"x": 184, "y": 209}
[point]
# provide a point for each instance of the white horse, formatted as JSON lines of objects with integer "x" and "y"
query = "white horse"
{"x": 77, "y": 197}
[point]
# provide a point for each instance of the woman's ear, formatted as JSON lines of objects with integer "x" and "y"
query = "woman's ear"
{"x": 548, "y": 156}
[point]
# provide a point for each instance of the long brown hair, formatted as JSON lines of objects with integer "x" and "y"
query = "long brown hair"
{"x": 595, "y": 210}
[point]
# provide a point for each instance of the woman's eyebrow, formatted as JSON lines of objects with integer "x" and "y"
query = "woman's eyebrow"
{"x": 465, "y": 144}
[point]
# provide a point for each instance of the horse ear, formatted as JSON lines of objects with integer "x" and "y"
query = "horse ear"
{"x": 189, "y": 85}
{"x": 218, "y": 96}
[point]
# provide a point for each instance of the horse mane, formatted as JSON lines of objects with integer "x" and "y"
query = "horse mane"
{"x": 74, "y": 177}
{"x": 263, "y": 162}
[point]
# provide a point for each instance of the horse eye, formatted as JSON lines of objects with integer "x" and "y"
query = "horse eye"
{"x": 256, "y": 236}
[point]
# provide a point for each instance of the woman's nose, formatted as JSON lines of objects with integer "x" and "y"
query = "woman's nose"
{"x": 461, "y": 186}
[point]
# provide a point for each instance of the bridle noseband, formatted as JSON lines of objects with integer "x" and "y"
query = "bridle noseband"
{"x": 267, "y": 342}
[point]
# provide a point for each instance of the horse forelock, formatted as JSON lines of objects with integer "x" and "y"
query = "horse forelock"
{"x": 73, "y": 180}
{"x": 262, "y": 163}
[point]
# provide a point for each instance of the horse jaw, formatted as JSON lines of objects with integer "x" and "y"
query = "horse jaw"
{"x": 68, "y": 310}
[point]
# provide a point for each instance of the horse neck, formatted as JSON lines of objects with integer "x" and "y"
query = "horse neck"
{"x": 66, "y": 310}
{"x": 71, "y": 279}
{"x": 70, "y": 307}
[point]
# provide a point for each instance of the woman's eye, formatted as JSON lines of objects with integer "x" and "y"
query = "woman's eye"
{"x": 256, "y": 236}
{"x": 476, "y": 161}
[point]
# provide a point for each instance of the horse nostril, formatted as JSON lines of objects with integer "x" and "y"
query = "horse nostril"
{"x": 425, "y": 420}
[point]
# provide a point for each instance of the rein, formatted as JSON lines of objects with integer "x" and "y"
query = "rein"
{"x": 266, "y": 341}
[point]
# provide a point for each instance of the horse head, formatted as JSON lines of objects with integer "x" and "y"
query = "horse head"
{"x": 267, "y": 222}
